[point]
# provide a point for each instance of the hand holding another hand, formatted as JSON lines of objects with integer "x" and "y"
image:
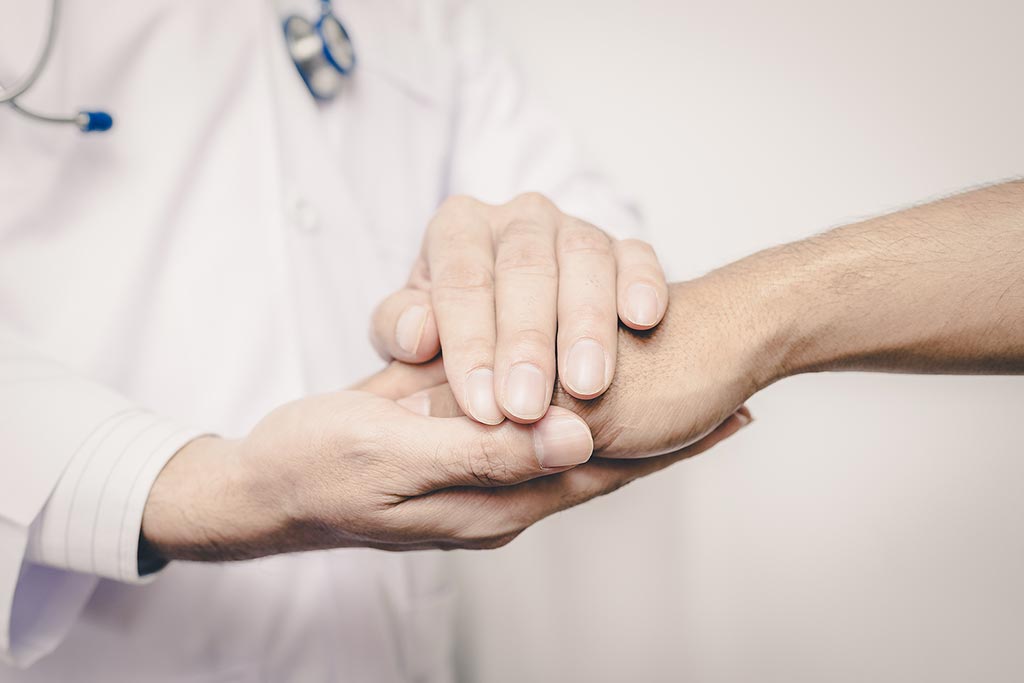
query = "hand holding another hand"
{"x": 396, "y": 465}
{"x": 360, "y": 469}
{"x": 673, "y": 385}
{"x": 500, "y": 288}
{"x": 355, "y": 468}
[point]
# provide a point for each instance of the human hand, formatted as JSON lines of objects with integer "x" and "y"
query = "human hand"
{"x": 675, "y": 384}
{"x": 354, "y": 468}
{"x": 500, "y": 288}
{"x": 679, "y": 382}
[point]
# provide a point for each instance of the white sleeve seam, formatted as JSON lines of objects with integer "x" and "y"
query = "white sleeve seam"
{"x": 126, "y": 570}
{"x": 124, "y": 416}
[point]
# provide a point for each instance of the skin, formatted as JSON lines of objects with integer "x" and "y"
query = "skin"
{"x": 359, "y": 469}
{"x": 500, "y": 288}
{"x": 497, "y": 286}
{"x": 938, "y": 288}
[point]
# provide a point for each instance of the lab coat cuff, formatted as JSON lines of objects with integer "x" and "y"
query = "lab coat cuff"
{"x": 92, "y": 522}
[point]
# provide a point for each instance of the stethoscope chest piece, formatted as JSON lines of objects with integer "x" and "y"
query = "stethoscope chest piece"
{"x": 322, "y": 52}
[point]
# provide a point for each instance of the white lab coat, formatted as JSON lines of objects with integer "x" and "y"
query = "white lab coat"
{"x": 215, "y": 255}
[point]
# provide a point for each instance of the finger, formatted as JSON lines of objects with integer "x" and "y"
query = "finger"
{"x": 460, "y": 256}
{"x": 404, "y": 327}
{"x": 459, "y": 452}
{"x": 487, "y": 518}
{"x": 642, "y": 291}
{"x": 436, "y": 401}
{"x": 526, "y": 296}
{"x": 401, "y": 379}
{"x": 588, "y": 321}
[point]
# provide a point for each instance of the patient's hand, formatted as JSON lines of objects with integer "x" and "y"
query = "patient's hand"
{"x": 678, "y": 382}
{"x": 674, "y": 384}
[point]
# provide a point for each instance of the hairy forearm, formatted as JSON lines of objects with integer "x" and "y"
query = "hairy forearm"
{"x": 200, "y": 509}
{"x": 936, "y": 288}
{"x": 209, "y": 506}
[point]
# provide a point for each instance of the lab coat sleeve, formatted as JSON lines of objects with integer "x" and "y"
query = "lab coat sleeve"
{"x": 507, "y": 142}
{"x": 77, "y": 461}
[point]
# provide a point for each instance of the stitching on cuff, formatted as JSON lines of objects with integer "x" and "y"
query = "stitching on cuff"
{"x": 118, "y": 418}
{"x": 154, "y": 423}
{"x": 125, "y": 563}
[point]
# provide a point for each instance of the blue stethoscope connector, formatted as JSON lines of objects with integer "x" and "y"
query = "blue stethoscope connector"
{"x": 87, "y": 121}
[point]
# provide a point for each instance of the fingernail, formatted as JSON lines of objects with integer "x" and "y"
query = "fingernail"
{"x": 526, "y": 393}
{"x": 418, "y": 403}
{"x": 409, "y": 328}
{"x": 562, "y": 439}
{"x": 480, "y": 399}
{"x": 642, "y": 305}
{"x": 744, "y": 419}
{"x": 585, "y": 367}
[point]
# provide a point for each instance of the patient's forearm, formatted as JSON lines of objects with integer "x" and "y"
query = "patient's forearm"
{"x": 936, "y": 288}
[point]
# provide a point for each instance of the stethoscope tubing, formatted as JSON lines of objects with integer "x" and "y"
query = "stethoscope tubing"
{"x": 100, "y": 121}
{"x": 9, "y": 94}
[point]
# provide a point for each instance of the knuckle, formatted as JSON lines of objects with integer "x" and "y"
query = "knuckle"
{"x": 476, "y": 346}
{"x": 534, "y": 202}
{"x": 532, "y": 339}
{"x": 450, "y": 235}
{"x": 471, "y": 352}
{"x": 591, "y": 317}
{"x": 520, "y": 230}
{"x": 525, "y": 248}
{"x": 583, "y": 239}
{"x": 528, "y": 261}
{"x": 486, "y": 462}
{"x": 636, "y": 245}
{"x": 462, "y": 276}
{"x": 456, "y": 219}
{"x": 458, "y": 203}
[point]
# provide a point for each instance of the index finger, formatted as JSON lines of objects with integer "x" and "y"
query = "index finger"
{"x": 491, "y": 517}
{"x": 460, "y": 259}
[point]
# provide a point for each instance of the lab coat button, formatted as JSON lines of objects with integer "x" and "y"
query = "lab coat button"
{"x": 303, "y": 216}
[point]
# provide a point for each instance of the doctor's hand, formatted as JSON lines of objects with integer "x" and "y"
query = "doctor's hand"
{"x": 510, "y": 292}
{"x": 355, "y": 468}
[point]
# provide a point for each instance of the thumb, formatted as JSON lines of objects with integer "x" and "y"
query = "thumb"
{"x": 457, "y": 451}
{"x": 404, "y": 327}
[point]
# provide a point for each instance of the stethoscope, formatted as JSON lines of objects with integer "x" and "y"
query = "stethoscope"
{"x": 321, "y": 49}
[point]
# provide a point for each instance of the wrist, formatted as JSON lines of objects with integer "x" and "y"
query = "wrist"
{"x": 756, "y": 322}
{"x": 791, "y": 296}
{"x": 201, "y": 506}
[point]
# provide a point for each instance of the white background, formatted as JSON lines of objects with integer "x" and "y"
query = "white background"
{"x": 865, "y": 528}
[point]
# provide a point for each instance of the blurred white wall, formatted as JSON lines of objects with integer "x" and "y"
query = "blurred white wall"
{"x": 865, "y": 528}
